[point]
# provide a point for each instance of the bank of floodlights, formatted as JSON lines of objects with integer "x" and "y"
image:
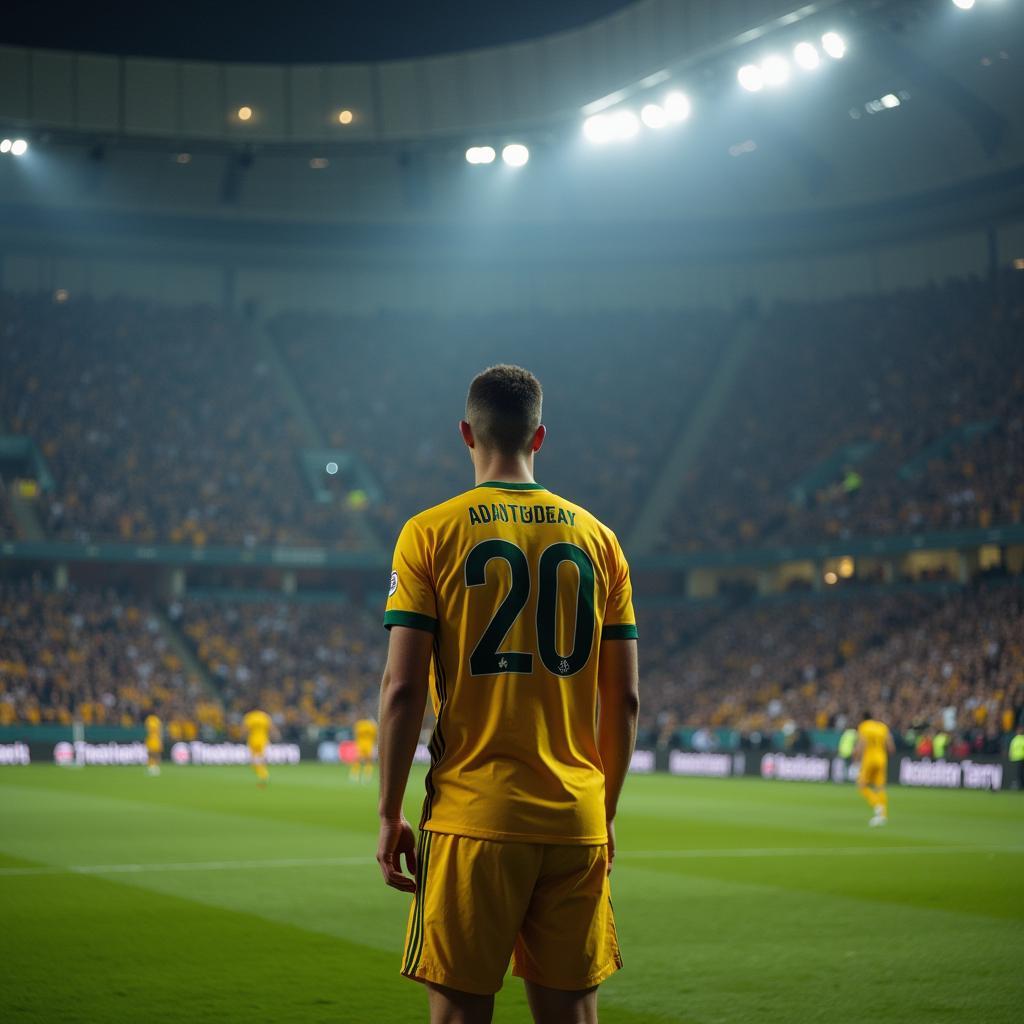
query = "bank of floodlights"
{"x": 15, "y": 147}
{"x": 515, "y": 154}
{"x": 774, "y": 70}
{"x": 480, "y": 155}
{"x": 623, "y": 124}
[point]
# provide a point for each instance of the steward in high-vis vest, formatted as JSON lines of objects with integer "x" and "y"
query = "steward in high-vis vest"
{"x": 1016, "y": 753}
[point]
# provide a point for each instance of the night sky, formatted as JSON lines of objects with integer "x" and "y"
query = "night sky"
{"x": 290, "y": 30}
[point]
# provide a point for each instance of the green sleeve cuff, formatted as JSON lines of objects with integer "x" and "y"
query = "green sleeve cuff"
{"x": 623, "y": 632}
{"x": 412, "y": 619}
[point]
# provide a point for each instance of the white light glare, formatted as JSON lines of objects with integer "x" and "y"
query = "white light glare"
{"x": 964, "y": 5}
{"x": 19, "y": 147}
{"x": 619, "y": 126}
{"x": 480, "y": 155}
{"x": 677, "y": 106}
{"x": 834, "y": 45}
{"x": 750, "y": 77}
{"x": 515, "y": 154}
{"x": 890, "y": 100}
{"x": 806, "y": 56}
{"x": 625, "y": 125}
{"x": 5, "y": 146}
{"x": 332, "y": 468}
{"x": 597, "y": 129}
{"x": 654, "y": 116}
{"x": 775, "y": 70}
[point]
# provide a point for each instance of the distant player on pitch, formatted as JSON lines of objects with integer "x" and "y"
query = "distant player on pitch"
{"x": 258, "y": 726}
{"x": 516, "y": 605}
{"x": 365, "y": 732}
{"x": 154, "y": 743}
{"x": 874, "y": 745}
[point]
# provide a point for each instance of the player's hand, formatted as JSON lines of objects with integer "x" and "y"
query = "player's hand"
{"x": 396, "y": 839}
{"x": 611, "y": 845}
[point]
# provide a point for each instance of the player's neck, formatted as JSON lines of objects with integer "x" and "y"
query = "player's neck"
{"x": 507, "y": 469}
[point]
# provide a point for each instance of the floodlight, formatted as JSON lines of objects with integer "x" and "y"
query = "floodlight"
{"x": 5, "y": 146}
{"x": 624, "y": 125}
{"x": 750, "y": 77}
{"x": 964, "y": 5}
{"x": 834, "y": 45}
{"x": 596, "y": 129}
{"x": 245, "y": 113}
{"x": 19, "y": 147}
{"x": 345, "y": 117}
{"x": 775, "y": 70}
{"x": 654, "y": 116}
{"x": 677, "y": 106}
{"x": 480, "y": 155}
{"x": 890, "y": 100}
{"x": 806, "y": 56}
{"x": 515, "y": 154}
{"x": 332, "y": 468}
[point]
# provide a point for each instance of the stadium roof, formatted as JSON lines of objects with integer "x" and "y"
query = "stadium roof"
{"x": 300, "y": 31}
{"x": 921, "y": 119}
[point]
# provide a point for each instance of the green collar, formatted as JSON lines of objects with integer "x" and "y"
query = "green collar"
{"x": 512, "y": 486}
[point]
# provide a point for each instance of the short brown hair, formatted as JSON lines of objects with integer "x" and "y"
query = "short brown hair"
{"x": 503, "y": 408}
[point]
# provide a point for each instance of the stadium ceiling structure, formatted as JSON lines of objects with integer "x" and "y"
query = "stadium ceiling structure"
{"x": 666, "y": 109}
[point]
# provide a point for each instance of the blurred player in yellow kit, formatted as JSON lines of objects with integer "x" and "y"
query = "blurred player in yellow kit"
{"x": 258, "y": 726}
{"x": 154, "y": 743}
{"x": 874, "y": 745}
{"x": 366, "y": 740}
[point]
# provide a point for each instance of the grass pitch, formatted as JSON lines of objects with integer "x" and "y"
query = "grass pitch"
{"x": 197, "y": 897}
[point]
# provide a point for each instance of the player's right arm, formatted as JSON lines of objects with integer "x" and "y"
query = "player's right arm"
{"x": 618, "y": 683}
{"x": 411, "y": 616}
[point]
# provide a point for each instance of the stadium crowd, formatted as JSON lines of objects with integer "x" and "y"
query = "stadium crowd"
{"x": 867, "y": 416}
{"x": 617, "y": 388}
{"x": 863, "y": 416}
{"x": 920, "y": 661}
{"x": 309, "y": 666}
{"x": 948, "y": 662}
{"x": 94, "y": 657}
{"x": 158, "y": 424}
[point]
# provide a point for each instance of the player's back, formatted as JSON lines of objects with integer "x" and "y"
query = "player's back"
{"x": 875, "y": 736}
{"x": 519, "y": 587}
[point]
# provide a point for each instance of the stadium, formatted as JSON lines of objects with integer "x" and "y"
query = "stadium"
{"x": 766, "y": 260}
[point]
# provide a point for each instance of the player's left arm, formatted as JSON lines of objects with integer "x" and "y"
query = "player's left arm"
{"x": 858, "y": 750}
{"x": 403, "y": 697}
{"x": 890, "y": 743}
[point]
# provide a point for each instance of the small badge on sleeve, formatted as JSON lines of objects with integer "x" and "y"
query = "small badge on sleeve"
{"x": 393, "y": 585}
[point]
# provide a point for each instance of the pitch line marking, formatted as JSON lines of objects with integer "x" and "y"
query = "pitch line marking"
{"x": 807, "y": 851}
{"x": 332, "y": 862}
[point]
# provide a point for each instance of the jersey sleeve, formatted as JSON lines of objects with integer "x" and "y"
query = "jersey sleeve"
{"x": 411, "y": 598}
{"x": 619, "y": 618}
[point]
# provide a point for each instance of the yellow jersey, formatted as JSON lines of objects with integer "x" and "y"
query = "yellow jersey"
{"x": 518, "y": 587}
{"x": 154, "y": 733}
{"x": 875, "y": 737}
{"x": 365, "y": 732}
{"x": 257, "y": 724}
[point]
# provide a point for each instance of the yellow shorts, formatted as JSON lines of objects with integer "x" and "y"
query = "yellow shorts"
{"x": 480, "y": 903}
{"x": 258, "y": 749}
{"x": 364, "y": 751}
{"x": 873, "y": 771}
{"x": 154, "y": 749}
